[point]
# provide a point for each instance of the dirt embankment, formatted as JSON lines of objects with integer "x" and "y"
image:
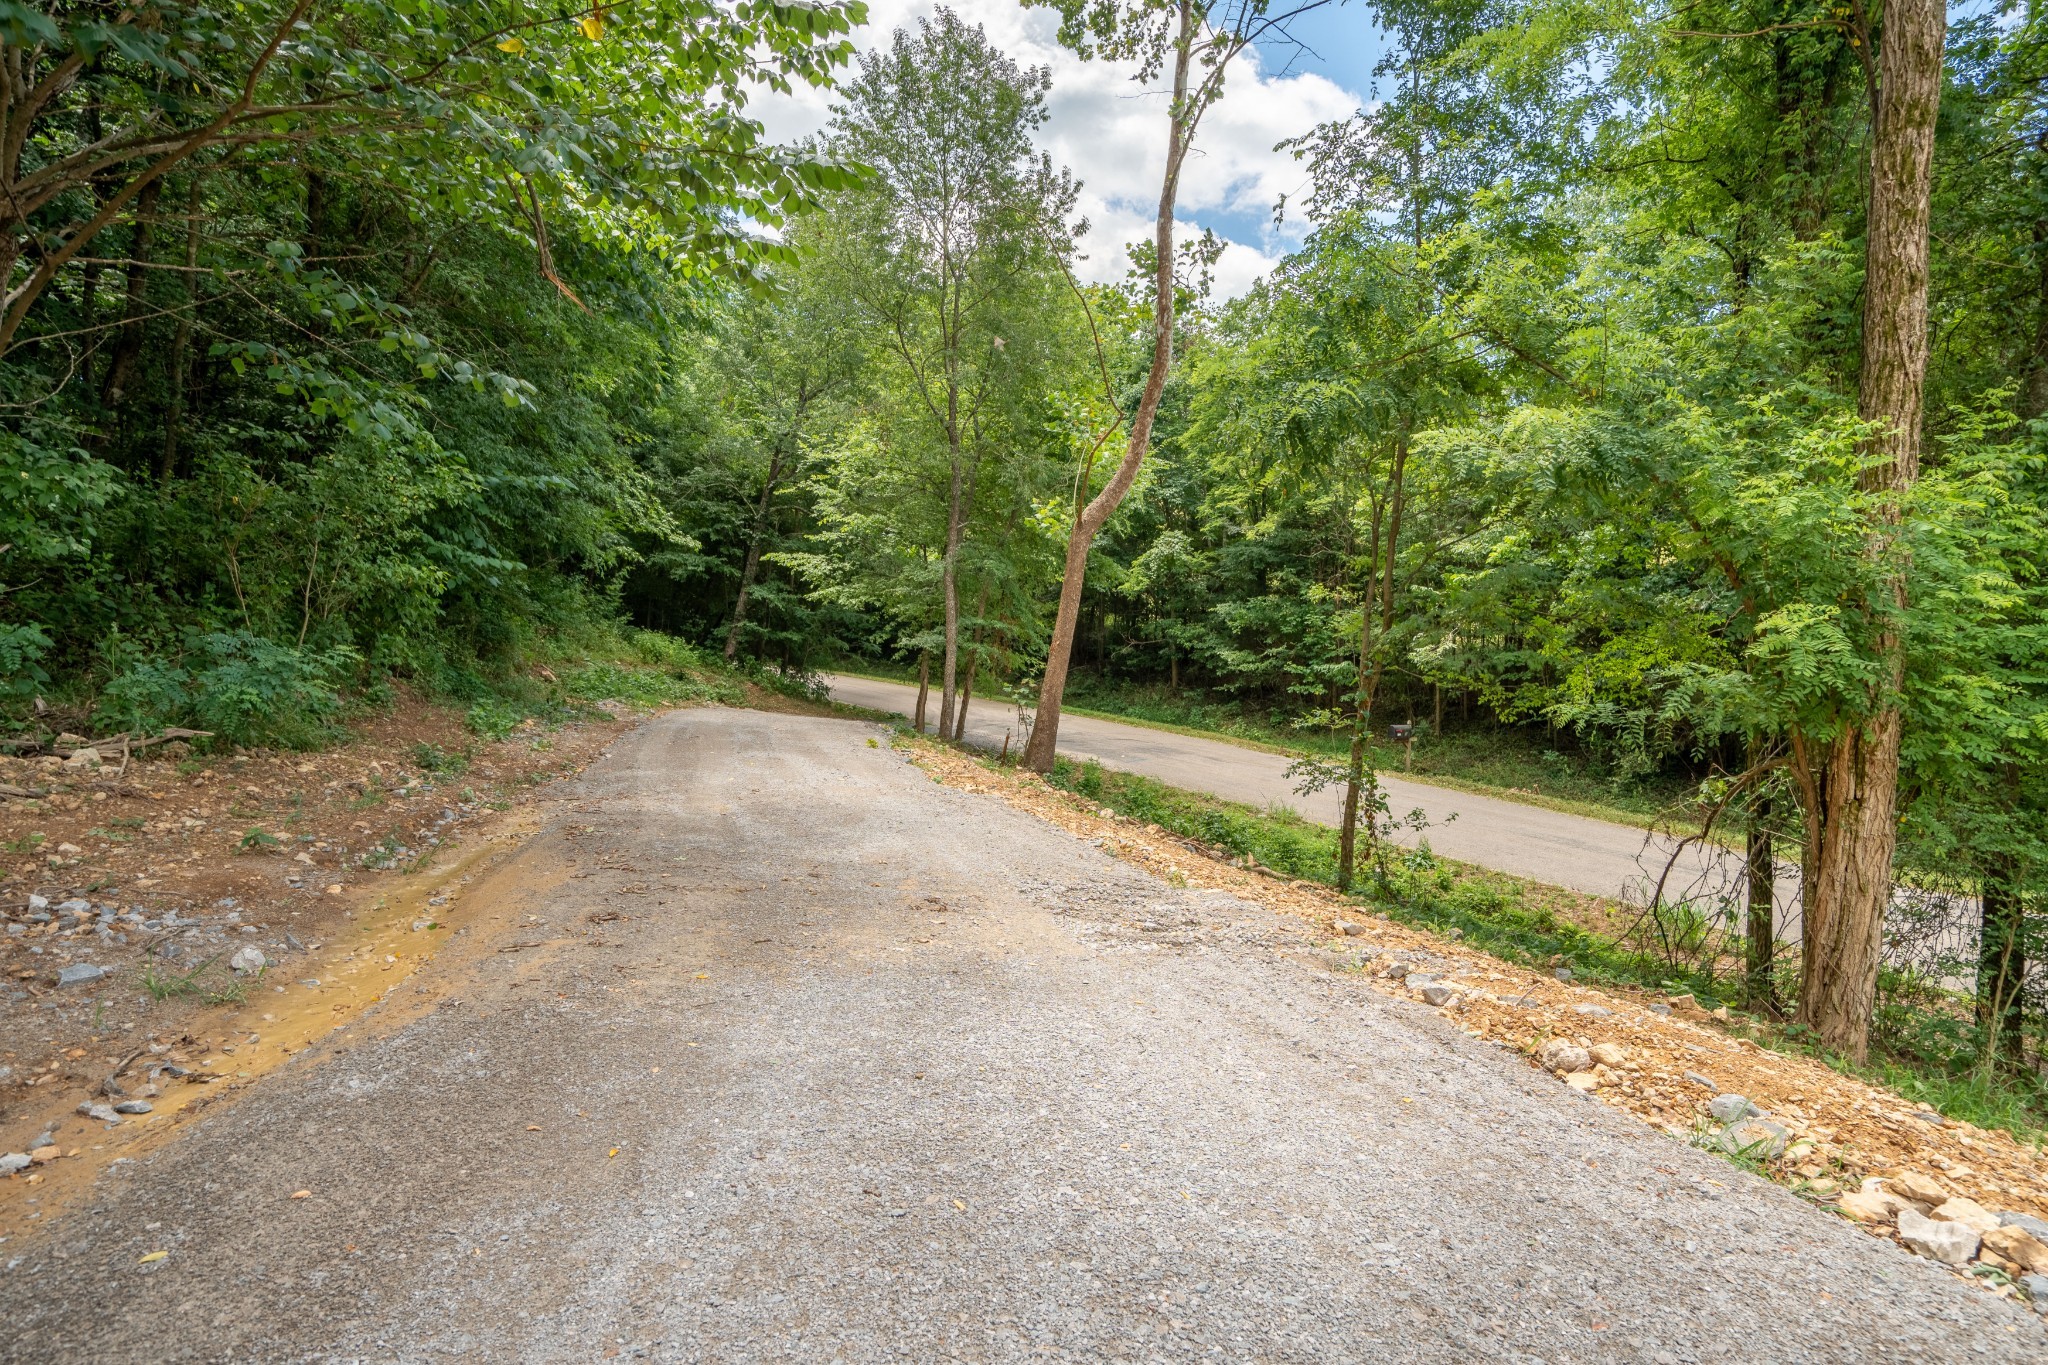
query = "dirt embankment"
{"x": 171, "y": 927}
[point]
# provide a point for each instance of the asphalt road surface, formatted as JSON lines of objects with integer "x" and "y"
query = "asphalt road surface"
{"x": 876, "y": 1070}
{"x": 1593, "y": 856}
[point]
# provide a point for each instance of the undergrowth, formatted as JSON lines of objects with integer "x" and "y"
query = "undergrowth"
{"x": 245, "y": 691}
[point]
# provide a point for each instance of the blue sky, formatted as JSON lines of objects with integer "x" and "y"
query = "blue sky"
{"x": 1112, "y": 134}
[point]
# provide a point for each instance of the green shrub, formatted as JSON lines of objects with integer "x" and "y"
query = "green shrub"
{"x": 241, "y": 687}
{"x": 494, "y": 718}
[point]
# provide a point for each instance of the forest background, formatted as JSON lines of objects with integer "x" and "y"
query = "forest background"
{"x": 362, "y": 344}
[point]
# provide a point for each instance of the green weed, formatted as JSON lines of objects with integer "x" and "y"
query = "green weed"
{"x": 234, "y": 991}
{"x": 433, "y": 758}
{"x": 257, "y": 841}
{"x": 164, "y": 985}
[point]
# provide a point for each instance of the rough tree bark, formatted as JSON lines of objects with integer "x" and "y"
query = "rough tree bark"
{"x": 1859, "y": 819}
{"x": 1180, "y": 124}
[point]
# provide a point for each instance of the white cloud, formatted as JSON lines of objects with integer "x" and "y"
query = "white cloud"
{"x": 1112, "y": 135}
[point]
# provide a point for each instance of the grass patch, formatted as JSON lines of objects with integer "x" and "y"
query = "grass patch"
{"x": 1491, "y": 760}
{"x": 432, "y": 758}
{"x": 1512, "y": 919}
{"x": 168, "y": 985}
{"x": 1924, "y": 1050}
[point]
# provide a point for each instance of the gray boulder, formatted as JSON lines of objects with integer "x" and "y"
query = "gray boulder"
{"x": 1731, "y": 1108}
{"x": 1938, "y": 1239}
{"x": 1758, "y": 1139}
{"x": 1560, "y": 1055}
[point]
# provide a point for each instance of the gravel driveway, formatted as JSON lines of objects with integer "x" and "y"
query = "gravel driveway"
{"x": 878, "y": 1070}
{"x": 1597, "y": 857}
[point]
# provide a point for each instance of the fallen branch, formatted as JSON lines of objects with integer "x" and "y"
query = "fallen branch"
{"x": 127, "y": 742}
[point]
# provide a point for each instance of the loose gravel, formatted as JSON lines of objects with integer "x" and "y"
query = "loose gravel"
{"x": 771, "y": 1049}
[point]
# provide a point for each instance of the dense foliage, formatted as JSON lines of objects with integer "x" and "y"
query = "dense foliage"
{"x": 350, "y": 340}
{"x": 390, "y": 339}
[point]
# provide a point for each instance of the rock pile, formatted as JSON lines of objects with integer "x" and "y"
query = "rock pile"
{"x": 1946, "y": 1227}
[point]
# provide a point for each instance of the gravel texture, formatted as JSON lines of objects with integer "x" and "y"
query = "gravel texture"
{"x": 872, "y": 1069}
{"x": 1596, "y": 857}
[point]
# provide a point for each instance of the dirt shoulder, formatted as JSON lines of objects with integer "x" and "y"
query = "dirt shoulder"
{"x": 1673, "y": 1058}
{"x": 130, "y": 896}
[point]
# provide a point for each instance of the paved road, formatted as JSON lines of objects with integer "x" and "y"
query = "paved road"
{"x": 1588, "y": 855}
{"x": 876, "y": 1070}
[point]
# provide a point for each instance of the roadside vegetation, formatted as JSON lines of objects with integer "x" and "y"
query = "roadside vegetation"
{"x": 1922, "y": 1047}
{"x": 1592, "y": 432}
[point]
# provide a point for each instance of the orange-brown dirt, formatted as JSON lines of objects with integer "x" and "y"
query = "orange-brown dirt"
{"x": 167, "y": 842}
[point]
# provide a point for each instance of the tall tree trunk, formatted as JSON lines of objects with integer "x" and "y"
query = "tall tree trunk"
{"x": 1860, "y": 817}
{"x": 1379, "y": 586}
{"x": 1355, "y": 784}
{"x": 924, "y": 687}
{"x": 181, "y": 343}
{"x": 959, "y": 731}
{"x": 752, "y": 567}
{"x": 1347, "y": 828}
{"x": 128, "y": 344}
{"x": 1180, "y": 123}
{"x": 2002, "y": 961}
{"x": 1760, "y": 875}
{"x": 949, "y": 586}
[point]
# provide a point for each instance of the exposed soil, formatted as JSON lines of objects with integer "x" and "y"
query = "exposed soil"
{"x": 173, "y": 883}
{"x": 766, "y": 1047}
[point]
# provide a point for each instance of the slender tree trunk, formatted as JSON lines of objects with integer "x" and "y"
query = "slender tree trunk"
{"x": 1369, "y": 666}
{"x": 128, "y": 344}
{"x": 966, "y": 695}
{"x": 1045, "y": 730}
{"x": 1361, "y": 716}
{"x": 181, "y": 343}
{"x": 924, "y": 687}
{"x": 959, "y": 731}
{"x": 755, "y": 539}
{"x": 1761, "y": 878}
{"x": 949, "y": 585}
{"x": 2002, "y": 962}
{"x": 1347, "y": 830}
{"x": 1860, "y": 822}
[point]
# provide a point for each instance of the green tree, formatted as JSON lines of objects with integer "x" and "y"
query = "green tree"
{"x": 955, "y": 253}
